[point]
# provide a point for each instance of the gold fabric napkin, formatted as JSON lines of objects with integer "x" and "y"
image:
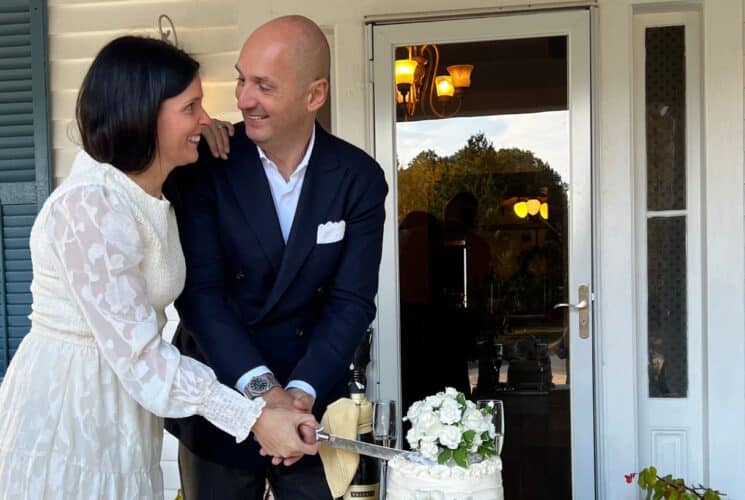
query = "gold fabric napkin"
{"x": 343, "y": 418}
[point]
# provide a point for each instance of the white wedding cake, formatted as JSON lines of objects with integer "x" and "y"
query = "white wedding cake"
{"x": 456, "y": 453}
{"x": 408, "y": 480}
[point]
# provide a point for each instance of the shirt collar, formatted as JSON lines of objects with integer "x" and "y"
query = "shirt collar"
{"x": 303, "y": 162}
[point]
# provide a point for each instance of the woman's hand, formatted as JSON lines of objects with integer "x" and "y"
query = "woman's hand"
{"x": 218, "y": 134}
{"x": 278, "y": 432}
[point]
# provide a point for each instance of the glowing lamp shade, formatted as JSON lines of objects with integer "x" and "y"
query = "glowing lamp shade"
{"x": 521, "y": 209}
{"x": 461, "y": 74}
{"x": 404, "y": 70}
{"x": 444, "y": 86}
{"x": 544, "y": 210}
{"x": 533, "y": 206}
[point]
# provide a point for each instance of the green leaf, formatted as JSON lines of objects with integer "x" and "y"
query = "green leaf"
{"x": 642, "y": 479}
{"x": 460, "y": 398}
{"x": 461, "y": 457}
{"x": 468, "y": 437}
{"x": 444, "y": 456}
{"x": 674, "y": 495}
{"x": 486, "y": 452}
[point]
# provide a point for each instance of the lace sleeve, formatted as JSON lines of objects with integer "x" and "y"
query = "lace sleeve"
{"x": 95, "y": 236}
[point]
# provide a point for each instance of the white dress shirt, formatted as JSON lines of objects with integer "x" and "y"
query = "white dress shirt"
{"x": 285, "y": 195}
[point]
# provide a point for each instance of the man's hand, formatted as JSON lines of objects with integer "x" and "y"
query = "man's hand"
{"x": 299, "y": 401}
{"x": 218, "y": 134}
{"x": 279, "y": 398}
{"x": 276, "y": 430}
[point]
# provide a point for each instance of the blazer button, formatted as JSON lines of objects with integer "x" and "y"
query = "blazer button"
{"x": 320, "y": 291}
{"x": 299, "y": 332}
{"x": 239, "y": 275}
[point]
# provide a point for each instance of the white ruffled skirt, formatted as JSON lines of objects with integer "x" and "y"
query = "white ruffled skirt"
{"x": 68, "y": 430}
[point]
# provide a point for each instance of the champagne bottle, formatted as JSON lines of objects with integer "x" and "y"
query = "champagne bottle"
{"x": 366, "y": 481}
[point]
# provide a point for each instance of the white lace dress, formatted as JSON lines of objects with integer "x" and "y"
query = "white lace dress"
{"x": 82, "y": 400}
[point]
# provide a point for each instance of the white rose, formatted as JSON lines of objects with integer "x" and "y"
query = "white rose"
{"x": 450, "y": 412}
{"x": 414, "y": 410}
{"x": 429, "y": 449}
{"x": 489, "y": 427}
{"x": 475, "y": 444}
{"x": 413, "y": 437}
{"x": 473, "y": 420}
{"x": 450, "y": 436}
{"x": 428, "y": 424}
{"x": 451, "y": 392}
{"x": 433, "y": 401}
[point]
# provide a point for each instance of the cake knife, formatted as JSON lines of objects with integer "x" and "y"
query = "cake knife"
{"x": 372, "y": 450}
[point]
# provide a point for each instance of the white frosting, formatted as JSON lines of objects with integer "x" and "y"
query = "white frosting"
{"x": 414, "y": 481}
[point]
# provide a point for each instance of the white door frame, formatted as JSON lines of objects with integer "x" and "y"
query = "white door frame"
{"x": 576, "y": 26}
{"x": 671, "y": 429}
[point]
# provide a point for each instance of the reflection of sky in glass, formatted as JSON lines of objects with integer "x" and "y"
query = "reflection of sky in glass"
{"x": 545, "y": 134}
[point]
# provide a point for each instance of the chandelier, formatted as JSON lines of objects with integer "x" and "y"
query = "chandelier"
{"x": 523, "y": 207}
{"x": 419, "y": 86}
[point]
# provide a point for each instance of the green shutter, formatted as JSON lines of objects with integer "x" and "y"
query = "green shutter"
{"x": 24, "y": 158}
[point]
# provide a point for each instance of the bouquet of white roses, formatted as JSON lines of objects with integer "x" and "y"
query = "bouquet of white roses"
{"x": 448, "y": 426}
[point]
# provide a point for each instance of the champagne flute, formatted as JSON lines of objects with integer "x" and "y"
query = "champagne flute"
{"x": 384, "y": 428}
{"x": 496, "y": 408}
{"x": 384, "y": 422}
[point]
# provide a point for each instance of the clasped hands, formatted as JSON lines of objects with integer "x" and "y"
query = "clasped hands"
{"x": 287, "y": 430}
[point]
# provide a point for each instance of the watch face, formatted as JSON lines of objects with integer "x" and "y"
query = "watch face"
{"x": 259, "y": 385}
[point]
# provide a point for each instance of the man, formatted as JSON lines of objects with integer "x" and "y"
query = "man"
{"x": 283, "y": 244}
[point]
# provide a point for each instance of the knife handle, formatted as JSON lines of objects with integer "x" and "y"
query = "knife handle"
{"x": 321, "y": 435}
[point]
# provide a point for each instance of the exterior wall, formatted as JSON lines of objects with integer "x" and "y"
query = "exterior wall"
{"x": 214, "y": 29}
{"x": 79, "y": 28}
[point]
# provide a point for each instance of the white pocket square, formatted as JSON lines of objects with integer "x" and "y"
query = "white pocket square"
{"x": 330, "y": 232}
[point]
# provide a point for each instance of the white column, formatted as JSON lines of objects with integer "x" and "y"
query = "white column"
{"x": 725, "y": 242}
{"x": 617, "y": 428}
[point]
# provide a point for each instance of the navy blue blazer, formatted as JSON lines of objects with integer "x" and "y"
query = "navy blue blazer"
{"x": 251, "y": 300}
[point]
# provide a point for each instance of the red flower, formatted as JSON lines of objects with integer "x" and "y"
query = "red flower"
{"x": 630, "y": 477}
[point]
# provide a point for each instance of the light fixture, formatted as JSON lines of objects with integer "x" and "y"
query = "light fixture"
{"x": 418, "y": 83}
{"x": 529, "y": 207}
{"x": 521, "y": 209}
{"x": 444, "y": 85}
{"x": 544, "y": 210}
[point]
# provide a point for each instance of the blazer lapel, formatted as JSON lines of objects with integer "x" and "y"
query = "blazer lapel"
{"x": 251, "y": 188}
{"x": 322, "y": 180}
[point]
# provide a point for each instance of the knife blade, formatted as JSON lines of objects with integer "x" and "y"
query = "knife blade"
{"x": 372, "y": 450}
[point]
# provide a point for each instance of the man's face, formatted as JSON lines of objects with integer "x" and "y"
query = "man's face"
{"x": 269, "y": 94}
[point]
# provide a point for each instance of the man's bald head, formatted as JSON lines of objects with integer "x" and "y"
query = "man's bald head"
{"x": 283, "y": 80}
{"x": 307, "y": 49}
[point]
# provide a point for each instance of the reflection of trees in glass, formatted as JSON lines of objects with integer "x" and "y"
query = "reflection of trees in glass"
{"x": 430, "y": 181}
{"x": 528, "y": 255}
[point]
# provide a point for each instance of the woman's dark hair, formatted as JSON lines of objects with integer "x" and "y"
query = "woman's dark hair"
{"x": 118, "y": 103}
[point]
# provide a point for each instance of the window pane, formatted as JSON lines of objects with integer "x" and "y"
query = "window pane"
{"x": 667, "y": 309}
{"x": 665, "y": 116}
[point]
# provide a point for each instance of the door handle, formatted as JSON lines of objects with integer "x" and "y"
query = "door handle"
{"x": 583, "y": 306}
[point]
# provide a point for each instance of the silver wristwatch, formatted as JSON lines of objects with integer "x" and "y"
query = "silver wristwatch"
{"x": 260, "y": 384}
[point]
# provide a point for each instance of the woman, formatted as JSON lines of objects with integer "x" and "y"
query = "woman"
{"x": 81, "y": 401}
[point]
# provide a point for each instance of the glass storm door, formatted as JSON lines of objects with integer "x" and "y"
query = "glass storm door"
{"x": 483, "y": 129}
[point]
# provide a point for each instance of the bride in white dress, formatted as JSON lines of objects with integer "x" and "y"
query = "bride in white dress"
{"x": 82, "y": 401}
